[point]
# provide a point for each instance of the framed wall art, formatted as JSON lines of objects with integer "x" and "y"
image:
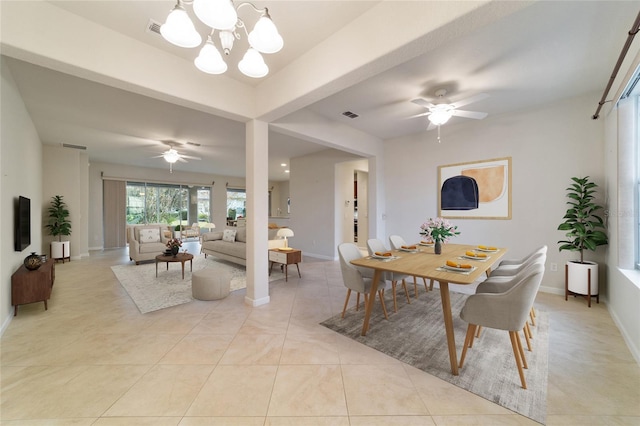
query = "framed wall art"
{"x": 475, "y": 190}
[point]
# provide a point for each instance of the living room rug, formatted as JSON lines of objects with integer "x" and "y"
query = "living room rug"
{"x": 169, "y": 289}
{"x": 416, "y": 336}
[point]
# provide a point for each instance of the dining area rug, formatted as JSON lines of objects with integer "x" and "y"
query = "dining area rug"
{"x": 416, "y": 335}
{"x": 151, "y": 293}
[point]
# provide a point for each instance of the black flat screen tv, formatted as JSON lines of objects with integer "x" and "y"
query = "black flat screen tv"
{"x": 23, "y": 223}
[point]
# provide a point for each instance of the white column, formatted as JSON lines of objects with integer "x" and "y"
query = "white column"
{"x": 257, "y": 144}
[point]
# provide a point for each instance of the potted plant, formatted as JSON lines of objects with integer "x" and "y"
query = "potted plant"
{"x": 585, "y": 231}
{"x": 59, "y": 225}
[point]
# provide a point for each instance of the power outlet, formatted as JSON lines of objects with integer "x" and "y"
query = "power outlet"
{"x": 554, "y": 267}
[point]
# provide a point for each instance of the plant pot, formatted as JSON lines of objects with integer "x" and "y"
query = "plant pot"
{"x": 578, "y": 277}
{"x": 60, "y": 250}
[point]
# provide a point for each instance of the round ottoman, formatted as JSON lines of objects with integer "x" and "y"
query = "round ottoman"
{"x": 208, "y": 285}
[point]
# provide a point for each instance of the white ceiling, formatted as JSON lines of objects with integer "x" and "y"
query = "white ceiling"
{"x": 545, "y": 52}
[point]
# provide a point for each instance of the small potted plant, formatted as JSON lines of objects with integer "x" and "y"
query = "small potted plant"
{"x": 585, "y": 230}
{"x": 439, "y": 231}
{"x": 59, "y": 225}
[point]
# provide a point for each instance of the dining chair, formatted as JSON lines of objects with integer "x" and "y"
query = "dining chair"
{"x": 397, "y": 242}
{"x": 358, "y": 279}
{"x": 507, "y": 265}
{"x": 502, "y": 283}
{"x": 507, "y": 310}
{"x": 375, "y": 245}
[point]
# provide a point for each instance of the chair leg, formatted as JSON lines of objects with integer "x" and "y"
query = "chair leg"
{"x": 522, "y": 357}
{"x": 516, "y": 354}
{"x": 478, "y": 332}
{"x": 384, "y": 308}
{"x": 532, "y": 315}
{"x": 527, "y": 336}
{"x": 346, "y": 302}
{"x": 415, "y": 287}
{"x": 431, "y": 285}
{"x": 406, "y": 292}
{"x": 469, "y": 337}
{"x": 395, "y": 299}
{"x": 357, "y": 301}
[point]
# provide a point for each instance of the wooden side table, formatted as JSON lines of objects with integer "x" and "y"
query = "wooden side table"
{"x": 285, "y": 258}
{"x": 32, "y": 286}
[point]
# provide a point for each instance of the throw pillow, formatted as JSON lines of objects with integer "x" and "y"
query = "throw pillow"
{"x": 229, "y": 235}
{"x": 150, "y": 235}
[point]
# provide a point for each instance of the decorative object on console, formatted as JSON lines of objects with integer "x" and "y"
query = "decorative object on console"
{"x": 285, "y": 233}
{"x": 585, "y": 231}
{"x": 221, "y": 15}
{"x": 33, "y": 261}
{"x": 59, "y": 225}
{"x": 438, "y": 230}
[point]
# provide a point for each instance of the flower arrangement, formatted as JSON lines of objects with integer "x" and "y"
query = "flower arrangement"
{"x": 438, "y": 230}
{"x": 174, "y": 242}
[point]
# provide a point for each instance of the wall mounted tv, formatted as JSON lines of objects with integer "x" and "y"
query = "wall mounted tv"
{"x": 22, "y": 223}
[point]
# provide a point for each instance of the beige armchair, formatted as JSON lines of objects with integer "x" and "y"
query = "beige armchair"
{"x": 192, "y": 231}
{"x": 147, "y": 241}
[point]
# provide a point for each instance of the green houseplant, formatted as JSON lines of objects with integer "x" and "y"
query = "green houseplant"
{"x": 585, "y": 230}
{"x": 59, "y": 225}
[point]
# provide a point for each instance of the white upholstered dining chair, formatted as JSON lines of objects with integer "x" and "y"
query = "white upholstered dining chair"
{"x": 507, "y": 310}
{"x": 358, "y": 279}
{"x": 396, "y": 243}
{"x": 375, "y": 245}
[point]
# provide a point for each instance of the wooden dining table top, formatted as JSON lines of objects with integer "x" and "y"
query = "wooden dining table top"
{"x": 425, "y": 263}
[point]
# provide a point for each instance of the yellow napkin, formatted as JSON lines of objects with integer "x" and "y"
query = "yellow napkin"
{"x": 409, "y": 247}
{"x": 488, "y": 248}
{"x": 458, "y": 265}
{"x": 474, "y": 254}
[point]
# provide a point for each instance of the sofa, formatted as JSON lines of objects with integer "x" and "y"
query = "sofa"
{"x": 231, "y": 244}
{"x": 147, "y": 241}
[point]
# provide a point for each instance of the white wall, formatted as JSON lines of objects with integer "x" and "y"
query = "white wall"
{"x": 548, "y": 146}
{"x": 20, "y": 168}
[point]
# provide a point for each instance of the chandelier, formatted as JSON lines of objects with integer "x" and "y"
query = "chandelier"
{"x": 221, "y": 15}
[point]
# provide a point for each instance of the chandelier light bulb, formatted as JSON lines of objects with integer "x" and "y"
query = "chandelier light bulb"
{"x": 218, "y": 14}
{"x": 441, "y": 114}
{"x": 179, "y": 29}
{"x": 265, "y": 37}
{"x": 252, "y": 64}
{"x": 209, "y": 60}
{"x": 171, "y": 156}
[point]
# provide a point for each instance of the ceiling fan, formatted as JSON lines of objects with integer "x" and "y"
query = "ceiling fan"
{"x": 441, "y": 110}
{"x": 172, "y": 155}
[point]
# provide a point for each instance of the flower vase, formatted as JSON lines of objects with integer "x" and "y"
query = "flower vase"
{"x": 437, "y": 248}
{"x": 175, "y": 250}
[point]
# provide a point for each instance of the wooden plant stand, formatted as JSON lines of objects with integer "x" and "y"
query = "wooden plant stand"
{"x": 568, "y": 292}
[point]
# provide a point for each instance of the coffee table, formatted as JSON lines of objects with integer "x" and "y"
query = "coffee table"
{"x": 180, "y": 257}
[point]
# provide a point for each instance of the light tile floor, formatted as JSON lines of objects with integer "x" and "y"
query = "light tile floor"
{"x": 93, "y": 359}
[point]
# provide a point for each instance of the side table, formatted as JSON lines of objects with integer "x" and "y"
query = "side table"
{"x": 285, "y": 258}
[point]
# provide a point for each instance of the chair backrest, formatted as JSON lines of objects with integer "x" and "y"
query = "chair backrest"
{"x": 396, "y": 241}
{"x": 374, "y": 245}
{"x": 501, "y": 283}
{"x": 351, "y": 276}
{"x": 539, "y": 250}
{"x": 508, "y": 310}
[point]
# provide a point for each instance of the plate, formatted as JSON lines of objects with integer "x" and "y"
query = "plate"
{"x": 375, "y": 256}
{"x": 415, "y": 250}
{"x": 453, "y": 268}
{"x": 475, "y": 258}
{"x": 486, "y": 250}
{"x": 427, "y": 244}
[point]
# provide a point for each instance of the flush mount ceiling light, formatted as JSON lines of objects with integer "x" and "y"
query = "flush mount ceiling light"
{"x": 222, "y": 15}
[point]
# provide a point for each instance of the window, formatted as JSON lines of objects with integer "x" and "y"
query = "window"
{"x": 236, "y": 204}
{"x": 167, "y": 203}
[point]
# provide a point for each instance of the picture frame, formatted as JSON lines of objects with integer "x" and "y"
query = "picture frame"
{"x": 486, "y": 185}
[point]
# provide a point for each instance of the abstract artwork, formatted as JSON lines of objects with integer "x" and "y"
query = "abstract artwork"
{"x": 475, "y": 190}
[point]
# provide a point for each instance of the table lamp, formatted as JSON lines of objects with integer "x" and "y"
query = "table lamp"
{"x": 284, "y": 233}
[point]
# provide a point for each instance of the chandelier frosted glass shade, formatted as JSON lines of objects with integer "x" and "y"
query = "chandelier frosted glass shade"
{"x": 265, "y": 37}
{"x": 179, "y": 29}
{"x": 252, "y": 64}
{"x": 441, "y": 114}
{"x": 218, "y": 14}
{"x": 210, "y": 60}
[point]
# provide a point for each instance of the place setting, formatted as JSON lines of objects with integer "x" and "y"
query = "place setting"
{"x": 384, "y": 256}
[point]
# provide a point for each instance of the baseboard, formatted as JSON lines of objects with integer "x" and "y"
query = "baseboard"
{"x": 552, "y": 290}
{"x": 635, "y": 352}
{"x": 256, "y": 302}
{"x": 318, "y": 256}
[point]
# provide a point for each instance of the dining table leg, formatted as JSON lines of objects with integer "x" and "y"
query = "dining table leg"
{"x": 448, "y": 326}
{"x": 368, "y": 308}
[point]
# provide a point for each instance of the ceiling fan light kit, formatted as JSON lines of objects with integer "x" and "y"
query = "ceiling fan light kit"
{"x": 222, "y": 15}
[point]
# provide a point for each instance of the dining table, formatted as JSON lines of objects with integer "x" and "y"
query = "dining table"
{"x": 421, "y": 261}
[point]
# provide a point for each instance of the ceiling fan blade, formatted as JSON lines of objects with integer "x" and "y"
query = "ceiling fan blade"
{"x": 182, "y": 159}
{"x": 190, "y": 157}
{"x": 420, "y": 115}
{"x": 469, "y": 114}
{"x": 423, "y": 103}
{"x": 472, "y": 99}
